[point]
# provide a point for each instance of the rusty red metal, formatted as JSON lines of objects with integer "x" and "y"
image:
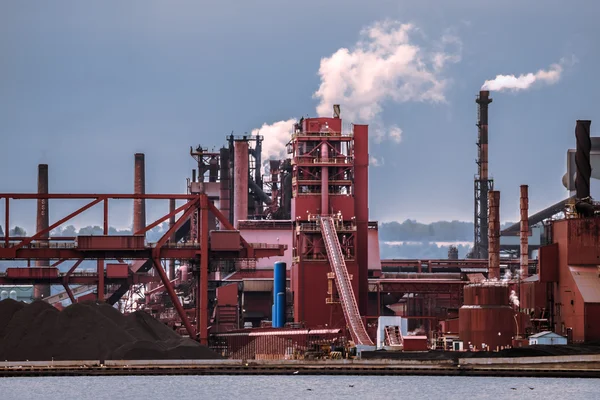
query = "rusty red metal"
{"x": 112, "y": 242}
{"x": 240, "y": 181}
{"x": 172, "y": 204}
{"x": 361, "y": 206}
{"x": 494, "y": 235}
{"x": 32, "y": 273}
{"x": 225, "y": 240}
{"x": 40, "y": 291}
{"x": 139, "y": 187}
{"x": 486, "y": 318}
{"x": 524, "y": 207}
{"x": 548, "y": 262}
{"x": 117, "y": 270}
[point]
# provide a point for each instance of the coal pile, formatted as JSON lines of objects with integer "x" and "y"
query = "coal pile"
{"x": 88, "y": 331}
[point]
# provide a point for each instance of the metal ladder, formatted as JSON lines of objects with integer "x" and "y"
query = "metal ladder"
{"x": 343, "y": 284}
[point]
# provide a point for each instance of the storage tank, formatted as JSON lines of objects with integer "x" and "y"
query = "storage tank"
{"x": 486, "y": 316}
{"x": 3, "y": 295}
{"x": 13, "y": 294}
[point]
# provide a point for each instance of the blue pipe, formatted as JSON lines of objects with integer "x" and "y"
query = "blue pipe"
{"x": 280, "y": 310}
{"x": 279, "y": 287}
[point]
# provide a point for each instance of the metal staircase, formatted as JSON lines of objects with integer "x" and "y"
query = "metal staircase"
{"x": 393, "y": 336}
{"x": 343, "y": 284}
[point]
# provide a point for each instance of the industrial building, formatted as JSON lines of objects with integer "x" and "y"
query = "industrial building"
{"x": 271, "y": 259}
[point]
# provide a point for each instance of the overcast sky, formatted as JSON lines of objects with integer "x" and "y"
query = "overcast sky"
{"x": 85, "y": 85}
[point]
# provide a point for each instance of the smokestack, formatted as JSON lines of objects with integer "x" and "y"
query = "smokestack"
{"x": 42, "y": 291}
{"x": 361, "y": 211}
{"x": 481, "y": 211}
{"x": 324, "y": 180}
{"x": 240, "y": 181}
{"x": 582, "y": 159}
{"x": 484, "y": 100}
{"x": 224, "y": 196}
{"x": 336, "y": 111}
{"x": 139, "y": 187}
{"x": 172, "y": 239}
{"x": 494, "y": 235}
{"x": 524, "y": 231}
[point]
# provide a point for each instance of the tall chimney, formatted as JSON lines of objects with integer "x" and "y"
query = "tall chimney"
{"x": 361, "y": 211}
{"x": 41, "y": 291}
{"x": 172, "y": 238}
{"x": 139, "y": 187}
{"x": 482, "y": 181}
{"x": 240, "y": 181}
{"x": 224, "y": 197}
{"x": 494, "y": 235}
{"x": 524, "y": 232}
{"x": 582, "y": 158}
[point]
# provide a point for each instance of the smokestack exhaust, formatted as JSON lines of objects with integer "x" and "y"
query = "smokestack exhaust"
{"x": 494, "y": 235}
{"x": 482, "y": 182}
{"x": 524, "y": 231}
{"x": 139, "y": 187}
{"x": 42, "y": 222}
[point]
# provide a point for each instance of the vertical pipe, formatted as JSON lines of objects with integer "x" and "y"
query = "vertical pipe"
{"x": 324, "y": 179}
{"x": 139, "y": 187}
{"x": 524, "y": 232}
{"x": 172, "y": 239}
{"x": 361, "y": 211}
{"x": 483, "y": 100}
{"x": 240, "y": 182}
{"x": 105, "y": 216}
{"x": 582, "y": 158}
{"x": 41, "y": 291}
{"x": 6, "y": 221}
{"x": 281, "y": 320}
{"x": 100, "y": 271}
{"x": 224, "y": 195}
{"x": 279, "y": 279}
{"x": 494, "y": 235}
{"x": 203, "y": 278}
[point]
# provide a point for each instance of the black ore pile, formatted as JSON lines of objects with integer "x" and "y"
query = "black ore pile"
{"x": 88, "y": 331}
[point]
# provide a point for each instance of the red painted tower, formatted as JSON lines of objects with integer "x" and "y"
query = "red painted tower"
{"x": 329, "y": 177}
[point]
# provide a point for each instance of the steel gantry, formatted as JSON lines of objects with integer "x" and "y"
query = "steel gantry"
{"x": 42, "y": 245}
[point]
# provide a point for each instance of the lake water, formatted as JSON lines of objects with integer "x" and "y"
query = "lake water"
{"x": 296, "y": 387}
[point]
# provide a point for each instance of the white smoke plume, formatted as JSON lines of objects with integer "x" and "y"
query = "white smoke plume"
{"x": 276, "y": 136}
{"x": 384, "y": 64}
{"x": 376, "y": 162}
{"x": 513, "y": 298}
{"x": 526, "y": 81}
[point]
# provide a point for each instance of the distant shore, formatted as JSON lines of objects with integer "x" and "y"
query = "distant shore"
{"x": 578, "y": 366}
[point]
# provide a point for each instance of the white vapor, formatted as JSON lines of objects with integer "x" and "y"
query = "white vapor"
{"x": 513, "y": 298}
{"x": 384, "y": 64}
{"x": 276, "y": 136}
{"x": 525, "y": 81}
{"x": 376, "y": 162}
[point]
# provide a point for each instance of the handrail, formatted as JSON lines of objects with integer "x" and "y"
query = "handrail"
{"x": 344, "y": 286}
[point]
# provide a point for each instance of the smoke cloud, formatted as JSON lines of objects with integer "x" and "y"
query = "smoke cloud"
{"x": 513, "y": 298}
{"x": 526, "y": 81}
{"x": 385, "y": 64}
{"x": 276, "y": 136}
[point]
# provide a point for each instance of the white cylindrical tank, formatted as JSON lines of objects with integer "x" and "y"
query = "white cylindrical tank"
{"x": 13, "y": 294}
{"x": 3, "y": 295}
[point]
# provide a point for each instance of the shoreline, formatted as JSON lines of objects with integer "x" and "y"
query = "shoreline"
{"x": 584, "y": 366}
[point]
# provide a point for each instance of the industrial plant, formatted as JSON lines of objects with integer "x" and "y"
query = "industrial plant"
{"x": 277, "y": 259}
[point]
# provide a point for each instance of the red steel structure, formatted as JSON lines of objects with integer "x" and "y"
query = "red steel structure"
{"x": 329, "y": 179}
{"x": 524, "y": 206}
{"x": 123, "y": 248}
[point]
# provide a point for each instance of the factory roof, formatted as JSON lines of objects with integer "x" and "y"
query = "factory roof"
{"x": 588, "y": 282}
{"x": 545, "y": 333}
